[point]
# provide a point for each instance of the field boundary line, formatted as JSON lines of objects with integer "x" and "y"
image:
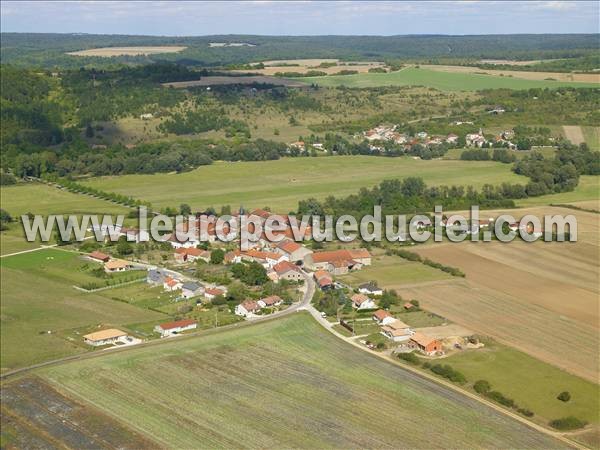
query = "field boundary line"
{"x": 447, "y": 384}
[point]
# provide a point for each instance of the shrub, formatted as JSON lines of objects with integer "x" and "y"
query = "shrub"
{"x": 448, "y": 372}
{"x": 564, "y": 396}
{"x": 482, "y": 386}
{"x": 409, "y": 357}
{"x": 525, "y": 412}
{"x": 567, "y": 423}
{"x": 500, "y": 398}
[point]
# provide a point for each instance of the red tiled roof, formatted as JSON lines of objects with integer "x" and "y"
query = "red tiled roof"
{"x": 177, "y": 324}
{"x": 285, "y": 266}
{"x": 99, "y": 255}
{"x": 359, "y": 299}
{"x": 214, "y": 291}
{"x": 271, "y": 300}
{"x": 381, "y": 314}
{"x": 250, "y": 305}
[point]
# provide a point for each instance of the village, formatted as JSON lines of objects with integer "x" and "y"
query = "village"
{"x": 287, "y": 267}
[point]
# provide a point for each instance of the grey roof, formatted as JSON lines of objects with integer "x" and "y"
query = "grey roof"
{"x": 370, "y": 286}
{"x": 190, "y": 286}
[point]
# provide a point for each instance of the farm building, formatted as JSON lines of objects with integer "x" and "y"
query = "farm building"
{"x": 338, "y": 262}
{"x": 99, "y": 256}
{"x": 191, "y": 289}
{"x": 294, "y": 251}
{"x": 288, "y": 271}
{"x": 104, "y": 337}
{"x": 324, "y": 280}
{"x": 173, "y": 328}
{"x": 425, "y": 344}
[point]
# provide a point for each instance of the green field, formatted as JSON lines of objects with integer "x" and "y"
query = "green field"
{"x": 444, "y": 81}
{"x": 392, "y": 272}
{"x": 282, "y": 384}
{"x": 281, "y": 184}
{"x": 37, "y": 296}
{"x": 587, "y": 189}
{"x": 531, "y": 383}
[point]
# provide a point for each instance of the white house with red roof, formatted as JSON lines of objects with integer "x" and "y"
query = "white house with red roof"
{"x": 270, "y": 301}
{"x": 247, "y": 308}
{"x": 383, "y": 317}
{"x": 173, "y": 328}
{"x": 172, "y": 284}
{"x": 361, "y": 301}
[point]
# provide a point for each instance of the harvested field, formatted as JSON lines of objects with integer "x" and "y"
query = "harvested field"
{"x": 127, "y": 51}
{"x": 219, "y": 81}
{"x": 304, "y": 65}
{"x": 558, "y": 76}
{"x": 43, "y": 418}
{"x": 541, "y": 298}
{"x": 512, "y": 62}
{"x": 283, "y": 384}
{"x": 574, "y": 134}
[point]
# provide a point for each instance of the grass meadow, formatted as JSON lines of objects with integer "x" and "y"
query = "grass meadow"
{"x": 444, "y": 81}
{"x": 285, "y": 383}
{"x": 531, "y": 383}
{"x": 37, "y": 297}
{"x": 281, "y": 184}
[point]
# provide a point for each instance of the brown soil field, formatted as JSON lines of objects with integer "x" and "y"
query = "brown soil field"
{"x": 35, "y": 415}
{"x": 218, "y": 80}
{"x": 541, "y": 298}
{"x": 574, "y": 134}
{"x": 559, "y": 76}
{"x": 127, "y": 51}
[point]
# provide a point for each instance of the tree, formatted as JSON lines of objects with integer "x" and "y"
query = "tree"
{"x": 564, "y": 396}
{"x": 217, "y": 256}
{"x": 124, "y": 247}
{"x": 482, "y": 386}
{"x": 185, "y": 209}
{"x": 89, "y": 131}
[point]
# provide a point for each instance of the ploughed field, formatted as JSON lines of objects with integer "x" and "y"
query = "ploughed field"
{"x": 541, "y": 298}
{"x": 284, "y": 383}
{"x": 281, "y": 184}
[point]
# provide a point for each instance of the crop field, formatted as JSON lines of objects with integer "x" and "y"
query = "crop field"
{"x": 540, "y": 298}
{"x": 531, "y": 383}
{"x": 42, "y": 199}
{"x": 592, "y": 137}
{"x": 574, "y": 134}
{"x": 281, "y": 184}
{"x": 444, "y": 81}
{"x": 304, "y": 65}
{"x": 37, "y": 297}
{"x": 284, "y": 383}
{"x": 108, "y": 52}
{"x": 394, "y": 272}
{"x": 521, "y": 74}
{"x": 225, "y": 80}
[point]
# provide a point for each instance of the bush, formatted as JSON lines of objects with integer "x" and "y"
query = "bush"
{"x": 564, "y": 396}
{"x": 525, "y": 412}
{"x": 567, "y": 423}
{"x": 500, "y": 398}
{"x": 448, "y": 372}
{"x": 409, "y": 357}
{"x": 482, "y": 386}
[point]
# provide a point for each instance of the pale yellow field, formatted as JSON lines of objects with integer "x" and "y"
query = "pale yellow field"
{"x": 574, "y": 134}
{"x": 304, "y": 65}
{"x": 559, "y": 76}
{"x": 127, "y": 51}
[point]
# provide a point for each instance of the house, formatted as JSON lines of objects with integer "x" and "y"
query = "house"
{"x": 294, "y": 251}
{"x": 233, "y": 257}
{"x": 191, "y": 254}
{"x": 370, "y": 288}
{"x": 117, "y": 265}
{"x": 397, "y": 331}
{"x": 425, "y": 344}
{"x": 212, "y": 293}
{"x": 361, "y": 301}
{"x": 191, "y": 289}
{"x": 272, "y": 275}
{"x": 324, "y": 280}
{"x": 383, "y": 317}
{"x": 338, "y": 262}
{"x": 173, "y": 328}
{"x": 267, "y": 259}
{"x": 298, "y": 145}
{"x": 99, "y": 256}
{"x": 452, "y": 138}
{"x": 155, "y": 276}
{"x": 104, "y": 337}
{"x": 171, "y": 284}
{"x": 146, "y": 116}
{"x": 286, "y": 270}
{"x": 247, "y": 308}
{"x": 475, "y": 139}
{"x": 270, "y": 301}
